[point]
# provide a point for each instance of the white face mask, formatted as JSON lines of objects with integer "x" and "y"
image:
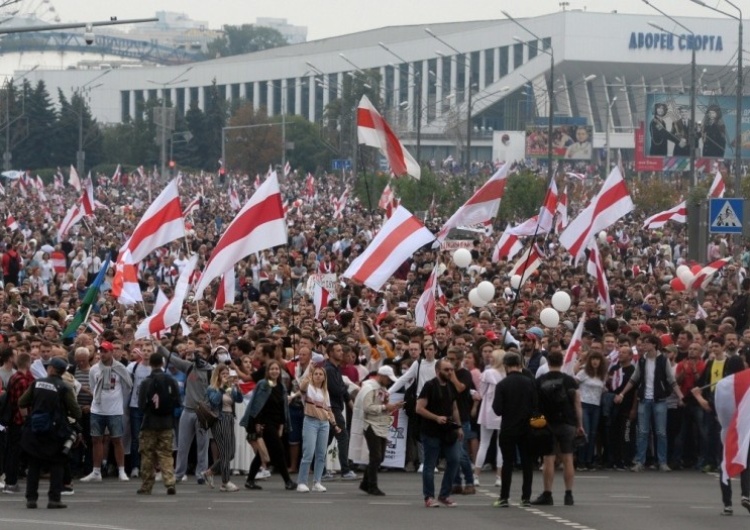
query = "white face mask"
{"x": 223, "y": 357}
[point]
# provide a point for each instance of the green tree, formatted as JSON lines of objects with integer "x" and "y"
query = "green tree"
{"x": 215, "y": 120}
{"x": 310, "y": 152}
{"x": 247, "y": 38}
{"x": 195, "y": 121}
{"x": 37, "y": 150}
{"x": 254, "y": 147}
{"x": 524, "y": 194}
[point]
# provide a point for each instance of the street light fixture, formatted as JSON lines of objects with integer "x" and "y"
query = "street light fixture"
{"x": 609, "y": 117}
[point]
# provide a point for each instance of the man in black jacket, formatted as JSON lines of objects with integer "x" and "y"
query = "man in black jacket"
{"x": 47, "y": 431}
{"x": 515, "y": 401}
{"x": 339, "y": 396}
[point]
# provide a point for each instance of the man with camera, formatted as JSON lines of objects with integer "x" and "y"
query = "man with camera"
{"x": 48, "y": 435}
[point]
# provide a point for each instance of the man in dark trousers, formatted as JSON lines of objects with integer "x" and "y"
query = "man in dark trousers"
{"x": 47, "y": 435}
{"x": 515, "y": 401}
{"x": 159, "y": 395}
{"x": 339, "y": 396}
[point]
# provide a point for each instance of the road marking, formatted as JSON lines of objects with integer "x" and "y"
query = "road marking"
{"x": 390, "y": 503}
{"x": 312, "y": 502}
{"x": 627, "y": 496}
{"x": 238, "y": 501}
{"x": 62, "y": 523}
{"x": 553, "y": 517}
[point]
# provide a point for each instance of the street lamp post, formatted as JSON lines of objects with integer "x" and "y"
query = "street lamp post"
{"x": 165, "y": 123}
{"x": 609, "y": 117}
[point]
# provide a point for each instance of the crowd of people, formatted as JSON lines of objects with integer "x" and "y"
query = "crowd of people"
{"x": 268, "y": 375}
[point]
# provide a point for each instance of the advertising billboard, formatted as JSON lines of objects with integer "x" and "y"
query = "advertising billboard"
{"x": 508, "y": 146}
{"x": 570, "y": 142}
{"x": 668, "y": 126}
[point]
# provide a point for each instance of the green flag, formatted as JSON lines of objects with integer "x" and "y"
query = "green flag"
{"x": 88, "y": 300}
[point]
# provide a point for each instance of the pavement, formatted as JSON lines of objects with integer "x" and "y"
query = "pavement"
{"x": 604, "y": 500}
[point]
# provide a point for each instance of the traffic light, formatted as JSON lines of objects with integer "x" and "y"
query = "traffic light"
{"x": 171, "y": 164}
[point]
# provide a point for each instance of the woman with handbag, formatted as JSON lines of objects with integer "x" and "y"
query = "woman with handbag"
{"x": 221, "y": 395}
{"x": 266, "y": 417}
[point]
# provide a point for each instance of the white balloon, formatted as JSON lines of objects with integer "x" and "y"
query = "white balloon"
{"x": 462, "y": 258}
{"x": 515, "y": 281}
{"x": 684, "y": 273}
{"x": 603, "y": 236}
{"x": 549, "y": 317}
{"x": 561, "y": 301}
{"x": 475, "y": 299}
{"x": 486, "y": 291}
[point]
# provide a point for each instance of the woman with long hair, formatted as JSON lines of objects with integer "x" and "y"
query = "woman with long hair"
{"x": 222, "y": 393}
{"x": 318, "y": 418}
{"x": 266, "y": 417}
{"x": 591, "y": 379}
{"x": 659, "y": 132}
{"x": 714, "y": 133}
{"x": 488, "y": 420}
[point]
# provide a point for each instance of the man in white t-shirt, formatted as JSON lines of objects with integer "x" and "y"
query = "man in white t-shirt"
{"x": 110, "y": 383}
{"x": 139, "y": 370}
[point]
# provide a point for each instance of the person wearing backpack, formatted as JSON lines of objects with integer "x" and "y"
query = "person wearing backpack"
{"x": 158, "y": 397}
{"x": 560, "y": 403}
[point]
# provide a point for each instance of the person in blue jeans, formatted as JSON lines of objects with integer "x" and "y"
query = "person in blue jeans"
{"x": 441, "y": 433}
{"x": 591, "y": 379}
{"x": 315, "y": 427}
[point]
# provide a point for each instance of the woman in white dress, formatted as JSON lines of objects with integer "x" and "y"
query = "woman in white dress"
{"x": 489, "y": 421}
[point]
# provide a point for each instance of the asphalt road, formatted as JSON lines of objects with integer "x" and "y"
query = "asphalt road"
{"x": 604, "y": 500}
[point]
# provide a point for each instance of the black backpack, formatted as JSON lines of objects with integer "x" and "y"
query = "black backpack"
{"x": 163, "y": 397}
{"x": 553, "y": 398}
{"x": 14, "y": 265}
{"x": 6, "y": 411}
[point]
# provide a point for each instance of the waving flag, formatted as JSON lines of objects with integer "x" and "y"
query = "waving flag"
{"x": 339, "y": 205}
{"x": 544, "y": 222}
{"x": 577, "y": 176}
{"x": 234, "y": 199}
{"x": 507, "y": 246}
{"x": 528, "y": 263}
{"x": 58, "y": 180}
{"x": 732, "y": 402}
{"x": 169, "y": 314}
{"x": 595, "y": 268}
{"x": 257, "y": 182}
{"x": 374, "y": 131}
{"x": 610, "y": 204}
{"x": 562, "y": 211}
{"x": 320, "y": 298}
{"x": 704, "y": 276}
{"x": 386, "y": 197}
{"x": 717, "y": 187}
{"x": 161, "y": 224}
{"x": 117, "y": 176}
{"x": 399, "y": 238}
{"x": 287, "y": 168}
{"x": 571, "y": 354}
{"x": 225, "y": 295}
{"x": 426, "y": 311}
{"x": 258, "y": 225}
{"x": 482, "y": 206}
{"x": 11, "y": 223}
{"x": 125, "y": 286}
{"x": 192, "y": 206}
{"x": 74, "y": 180}
{"x": 310, "y": 187}
{"x": 91, "y": 296}
{"x": 678, "y": 214}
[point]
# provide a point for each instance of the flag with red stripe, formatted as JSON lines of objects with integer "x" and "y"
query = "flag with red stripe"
{"x": 576, "y": 342}
{"x": 507, "y": 246}
{"x": 399, "y": 238}
{"x": 320, "y": 298}
{"x": 425, "y": 312}
{"x": 259, "y": 225}
{"x": 595, "y": 268}
{"x": 732, "y": 402}
{"x": 225, "y": 295}
{"x": 678, "y": 214}
{"x": 125, "y": 286}
{"x": 11, "y": 223}
{"x": 73, "y": 179}
{"x": 528, "y": 263}
{"x": 717, "y": 189}
{"x": 562, "y": 210}
{"x": 706, "y": 274}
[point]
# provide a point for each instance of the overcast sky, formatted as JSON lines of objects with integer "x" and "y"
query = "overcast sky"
{"x": 327, "y": 18}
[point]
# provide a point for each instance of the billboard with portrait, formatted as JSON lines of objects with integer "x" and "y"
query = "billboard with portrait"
{"x": 668, "y": 126}
{"x": 570, "y": 142}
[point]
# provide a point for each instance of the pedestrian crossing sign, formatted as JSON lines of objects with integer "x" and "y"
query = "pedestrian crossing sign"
{"x": 725, "y": 216}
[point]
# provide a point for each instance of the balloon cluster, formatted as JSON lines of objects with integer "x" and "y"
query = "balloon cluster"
{"x": 684, "y": 276}
{"x": 550, "y": 316}
{"x": 482, "y": 294}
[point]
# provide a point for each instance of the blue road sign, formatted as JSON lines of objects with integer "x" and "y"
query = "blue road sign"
{"x": 341, "y": 163}
{"x": 725, "y": 216}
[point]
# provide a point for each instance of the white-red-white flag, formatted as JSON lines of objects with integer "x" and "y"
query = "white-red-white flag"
{"x": 310, "y": 186}
{"x": 374, "y": 131}
{"x": 732, "y": 402}
{"x": 425, "y": 312}
{"x": 234, "y": 199}
{"x": 528, "y": 263}
{"x": 125, "y": 286}
{"x": 58, "y": 181}
{"x": 595, "y": 268}
{"x": 507, "y": 246}
{"x": 706, "y": 274}
{"x": 11, "y": 223}
{"x": 161, "y": 224}
{"x": 717, "y": 189}
{"x": 482, "y": 206}
{"x": 544, "y": 222}
{"x": 74, "y": 180}
{"x": 382, "y": 312}
{"x": 259, "y": 225}
{"x": 339, "y": 205}
{"x": 225, "y": 294}
{"x": 678, "y": 214}
{"x": 386, "y": 197}
{"x": 577, "y": 176}
{"x": 287, "y": 168}
{"x": 399, "y": 238}
{"x": 610, "y": 204}
{"x": 576, "y": 342}
{"x": 170, "y": 313}
{"x": 117, "y": 175}
{"x": 192, "y": 206}
{"x": 320, "y": 298}
{"x": 562, "y": 210}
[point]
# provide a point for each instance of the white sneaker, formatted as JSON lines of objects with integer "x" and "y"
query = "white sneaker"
{"x": 93, "y": 477}
{"x": 476, "y": 480}
{"x": 421, "y": 468}
{"x": 318, "y": 487}
{"x": 498, "y": 482}
{"x": 229, "y": 487}
{"x": 263, "y": 474}
{"x": 302, "y": 488}
{"x": 158, "y": 477}
{"x": 184, "y": 479}
{"x": 134, "y": 473}
{"x": 123, "y": 477}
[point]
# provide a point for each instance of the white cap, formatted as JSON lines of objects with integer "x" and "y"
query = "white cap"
{"x": 388, "y": 372}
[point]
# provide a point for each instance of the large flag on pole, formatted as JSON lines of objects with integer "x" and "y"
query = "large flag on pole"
{"x": 226, "y": 290}
{"x": 706, "y": 274}
{"x": 717, "y": 187}
{"x": 426, "y": 311}
{"x": 678, "y": 214}
{"x": 507, "y": 246}
{"x": 125, "y": 286}
{"x": 482, "y": 206}
{"x": 610, "y": 204}
{"x": 595, "y": 268}
{"x": 576, "y": 342}
{"x": 74, "y": 180}
{"x": 732, "y": 401}
{"x": 88, "y": 301}
{"x": 399, "y": 238}
{"x": 374, "y": 131}
{"x": 161, "y": 224}
{"x": 259, "y": 225}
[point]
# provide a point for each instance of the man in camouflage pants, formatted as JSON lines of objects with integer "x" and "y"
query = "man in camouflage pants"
{"x": 156, "y": 436}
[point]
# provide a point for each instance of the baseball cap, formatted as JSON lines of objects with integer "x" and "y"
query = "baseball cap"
{"x": 388, "y": 372}
{"x": 58, "y": 364}
{"x": 644, "y": 328}
{"x": 491, "y": 335}
{"x": 106, "y": 346}
{"x": 537, "y": 332}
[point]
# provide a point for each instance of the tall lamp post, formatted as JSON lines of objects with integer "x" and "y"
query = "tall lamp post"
{"x": 550, "y": 91}
{"x": 740, "y": 90}
{"x": 691, "y": 129}
{"x": 609, "y": 117}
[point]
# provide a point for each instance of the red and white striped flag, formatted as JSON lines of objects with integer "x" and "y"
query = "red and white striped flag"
{"x": 562, "y": 210}
{"x": 320, "y": 298}
{"x": 58, "y": 181}
{"x": 38, "y": 183}
{"x": 527, "y": 264}
{"x": 374, "y": 131}
{"x": 482, "y": 206}
{"x": 717, "y": 187}
{"x": 259, "y": 225}
{"x": 576, "y": 342}
{"x": 287, "y": 168}
{"x": 234, "y": 199}
{"x": 507, "y": 246}
{"x": 544, "y": 222}
{"x": 732, "y": 401}
{"x": 382, "y": 312}
{"x": 310, "y": 186}
{"x": 225, "y": 294}
{"x": 95, "y": 326}
{"x": 161, "y": 224}
{"x": 706, "y": 274}
{"x": 678, "y": 214}
{"x": 170, "y": 313}
{"x": 386, "y": 197}
{"x": 192, "y": 206}
{"x": 425, "y": 312}
{"x": 339, "y": 205}
{"x": 125, "y": 286}
{"x": 117, "y": 176}
{"x": 399, "y": 238}
{"x": 595, "y": 268}
{"x": 610, "y": 204}
{"x": 73, "y": 179}
{"x": 577, "y": 176}
{"x": 11, "y": 223}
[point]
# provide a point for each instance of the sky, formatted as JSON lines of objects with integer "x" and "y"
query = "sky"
{"x": 328, "y": 18}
